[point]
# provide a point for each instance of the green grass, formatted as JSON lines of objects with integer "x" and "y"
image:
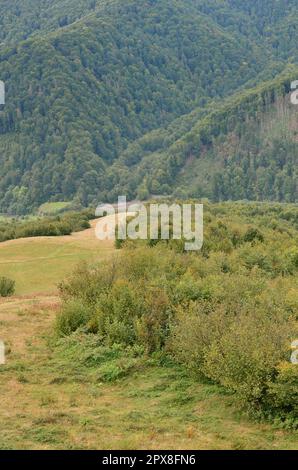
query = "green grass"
{"x": 4, "y": 218}
{"x": 37, "y": 265}
{"x": 53, "y": 208}
{"x": 58, "y": 399}
{"x": 79, "y": 395}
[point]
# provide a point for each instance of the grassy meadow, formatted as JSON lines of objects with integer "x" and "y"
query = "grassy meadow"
{"x": 95, "y": 387}
{"x": 53, "y": 208}
{"x": 51, "y": 402}
{"x": 38, "y": 264}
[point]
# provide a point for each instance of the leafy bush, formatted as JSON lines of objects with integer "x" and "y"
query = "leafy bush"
{"x": 7, "y": 287}
{"x": 48, "y": 226}
{"x": 245, "y": 358}
{"x": 239, "y": 350}
{"x": 194, "y": 330}
{"x": 282, "y": 398}
{"x": 253, "y": 235}
{"x": 72, "y": 316}
{"x": 226, "y": 313}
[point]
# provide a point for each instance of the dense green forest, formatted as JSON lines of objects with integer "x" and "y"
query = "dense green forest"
{"x": 244, "y": 148}
{"x": 108, "y": 97}
{"x": 21, "y": 19}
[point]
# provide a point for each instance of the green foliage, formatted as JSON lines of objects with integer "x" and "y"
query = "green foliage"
{"x": 245, "y": 357}
{"x": 245, "y": 148}
{"x": 283, "y": 395}
{"x": 54, "y": 208}
{"x": 46, "y": 226}
{"x": 72, "y": 316}
{"x": 160, "y": 125}
{"x": 253, "y": 235}
{"x": 82, "y": 353}
{"x": 113, "y": 371}
{"x": 21, "y": 19}
{"x": 227, "y": 313}
{"x": 7, "y": 287}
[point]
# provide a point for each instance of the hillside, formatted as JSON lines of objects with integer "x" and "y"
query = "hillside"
{"x": 246, "y": 147}
{"x": 87, "y": 80}
{"x": 21, "y": 19}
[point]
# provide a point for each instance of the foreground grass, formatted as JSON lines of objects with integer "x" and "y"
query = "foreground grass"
{"x": 65, "y": 397}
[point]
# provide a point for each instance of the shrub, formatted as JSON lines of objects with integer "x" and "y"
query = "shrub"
{"x": 115, "y": 370}
{"x": 46, "y": 226}
{"x": 7, "y": 287}
{"x": 253, "y": 235}
{"x": 72, "y": 316}
{"x": 282, "y": 397}
{"x": 152, "y": 327}
{"x": 116, "y": 311}
{"x": 193, "y": 331}
{"x": 246, "y": 357}
{"x": 226, "y": 313}
{"x": 190, "y": 289}
{"x": 292, "y": 256}
{"x": 239, "y": 349}
{"x": 86, "y": 284}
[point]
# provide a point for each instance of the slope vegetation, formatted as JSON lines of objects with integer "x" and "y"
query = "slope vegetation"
{"x": 86, "y": 80}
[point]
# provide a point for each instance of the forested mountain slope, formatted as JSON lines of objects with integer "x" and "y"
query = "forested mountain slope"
{"x": 21, "y": 19}
{"x": 95, "y": 77}
{"x": 243, "y": 147}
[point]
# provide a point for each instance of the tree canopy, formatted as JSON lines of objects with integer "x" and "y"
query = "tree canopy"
{"x": 103, "y": 97}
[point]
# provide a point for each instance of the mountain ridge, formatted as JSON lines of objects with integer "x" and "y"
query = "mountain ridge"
{"x": 78, "y": 97}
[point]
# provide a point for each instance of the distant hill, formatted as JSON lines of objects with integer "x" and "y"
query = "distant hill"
{"x": 104, "y": 96}
{"x": 245, "y": 147}
{"x": 21, "y": 19}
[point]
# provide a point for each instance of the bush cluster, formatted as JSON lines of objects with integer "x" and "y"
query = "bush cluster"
{"x": 228, "y": 313}
{"x": 7, "y": 287}
{"x": 48, "y": 226}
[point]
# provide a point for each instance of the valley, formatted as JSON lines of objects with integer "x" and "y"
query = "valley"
{"x": 141, "y": 343}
